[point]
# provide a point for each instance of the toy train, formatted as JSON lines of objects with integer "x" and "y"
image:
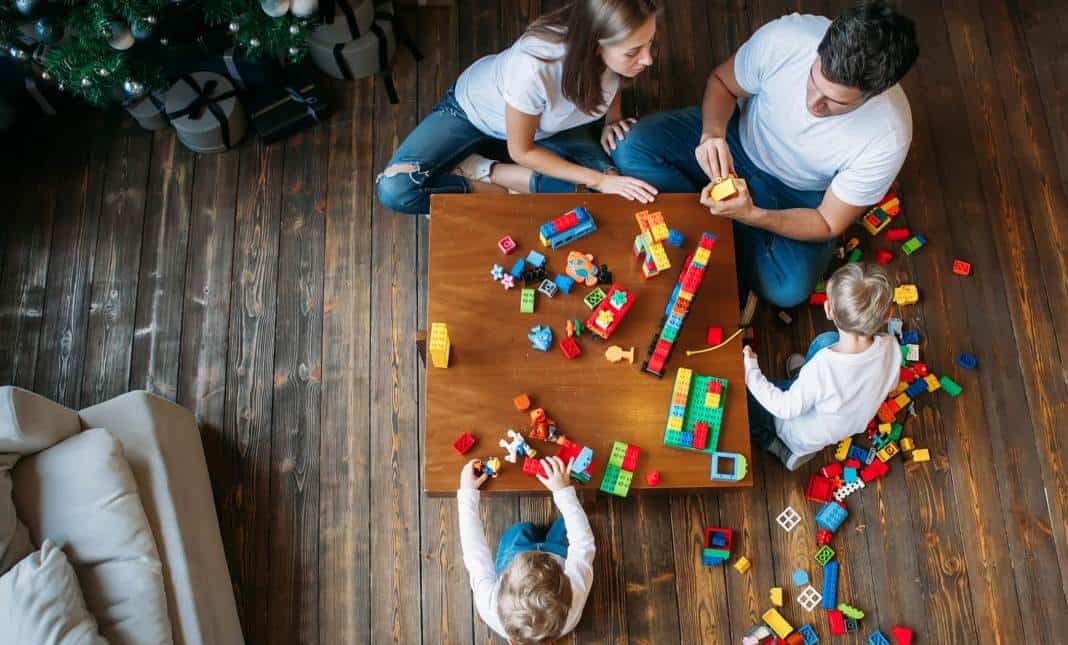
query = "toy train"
{"x": 567, "y": 228}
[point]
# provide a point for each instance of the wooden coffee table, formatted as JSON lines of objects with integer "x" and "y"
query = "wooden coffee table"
{"x": 593, "y": 401}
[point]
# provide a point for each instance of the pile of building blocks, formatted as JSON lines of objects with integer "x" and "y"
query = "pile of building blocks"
{"x": 879, "y": 217}
{"x": 439, "y": 344}
{"x": 582, "y": 466}
{"x": 606, "y": 316}
{"x": 678, "y": 306}
{"x": 717, "y": 549}
{"x": 567, "y": 228}
{"x": 693, "y": 424}
{"x": 649, "y": 243}
{"x": 619, "y": 472}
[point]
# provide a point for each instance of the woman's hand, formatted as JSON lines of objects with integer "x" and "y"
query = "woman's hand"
{"x": 629, "y": 187}
{"x": 613, "y": 131}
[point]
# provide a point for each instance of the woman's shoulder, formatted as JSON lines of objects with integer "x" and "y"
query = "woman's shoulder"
{"x": 540, "y": 48}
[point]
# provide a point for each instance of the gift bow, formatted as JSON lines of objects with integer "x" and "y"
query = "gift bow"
{"x": 204, "y": 99}
{"x": 308, "y": 101}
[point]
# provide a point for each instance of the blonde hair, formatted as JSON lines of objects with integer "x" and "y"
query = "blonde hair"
{"x": 859, "y": 294}
{"x": 534, "y": 598}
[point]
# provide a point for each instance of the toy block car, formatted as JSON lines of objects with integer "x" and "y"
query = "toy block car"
{"x": 567, "y": 228}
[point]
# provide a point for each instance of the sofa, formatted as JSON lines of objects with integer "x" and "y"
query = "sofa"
{"x": 108, "y": 531}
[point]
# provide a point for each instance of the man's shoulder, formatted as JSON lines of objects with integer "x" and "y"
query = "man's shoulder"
{"x": 798, "y": 29}
{"x": 891, "y": 111}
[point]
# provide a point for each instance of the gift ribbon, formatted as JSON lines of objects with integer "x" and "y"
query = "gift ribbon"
{"x": 307, "y": 101}
{"x": 204, "y": 99}
{"x": 328, "y": 9}
{"x": 231, "y": 68}
{"x": 384, "y": 69}
{"x": 42, "y": 102}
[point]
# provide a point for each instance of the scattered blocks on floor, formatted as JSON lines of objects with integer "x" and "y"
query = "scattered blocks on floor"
{"x": 776, "y": 596}
{"x": 824, "y": 555}
{"x": 800, "y": 578}
{"x": 506, "y": 244}
{"x": 809, "y": 598}
{"x": 742, "y": 564}
{"x": 788, "y": 518}
{"x": 526, "y": 301}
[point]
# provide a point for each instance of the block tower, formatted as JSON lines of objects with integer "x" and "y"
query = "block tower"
{"x": 439, "y": 344}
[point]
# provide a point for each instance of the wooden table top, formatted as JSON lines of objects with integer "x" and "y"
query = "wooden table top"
{"x": 594, "y": 402}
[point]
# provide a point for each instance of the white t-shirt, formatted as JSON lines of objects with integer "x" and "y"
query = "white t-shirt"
{"x": 518, "y": 76}
{"x": 834, "y": 396}
{"x": 857, "y": 154}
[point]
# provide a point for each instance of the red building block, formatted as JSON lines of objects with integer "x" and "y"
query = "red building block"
{"x": 819, "y": 489}
{"x": 533, "y": 467}
{"x": 630, "y": 458}
{"x": 506, "y": 244}
{"x": 882, "y": 256}
{"x": 652, "y": 477}
{"x": 920, "y": 368}
{"x": 464, "y": 443}
{"x": 832, "y": 470}
{"x": 817, "y": 299}
{"x": 700, "y": 435}
{"x": 908, "y": 374}
{"x": 714, "y": 336}
{"x": 836, "y": 622}
{"x": 960, "y": 267}
{"x": 823, "y": 536}
{"x": 903, "y": 635}
{"x": 874, "y": 470}
{"x": 569, "y": 347}
{"x": 897, "y": 234}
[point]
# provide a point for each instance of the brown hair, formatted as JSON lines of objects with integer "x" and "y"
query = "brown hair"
{"x": 534, "y": 598}
{"x": 860, "y": 296}
{"x": 584, "y": 26}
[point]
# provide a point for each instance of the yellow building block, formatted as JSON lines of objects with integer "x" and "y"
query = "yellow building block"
{"x": 920, "y": 454}
{"x": 906, "y": 294}
{"x": 842, "y": 451}
{"x": 885, "y": 428}
{"x": 932, "y": 382}
{"x": 742, "y": 564}
{"x": 712, "y": 400}
{"x": 907, "y": 444}
{"x": 439, "y": 345}
{"x": 701, "y": 256}
{"x": 888, "y": 451}
{"x": 723, "y": 190}
{"x": 675, "y": 423}
{"x": 901, "y": 387}
{"x": 776, "y": 596}
{"x": 777, "y": 623}
{"x": 902, "y": 401}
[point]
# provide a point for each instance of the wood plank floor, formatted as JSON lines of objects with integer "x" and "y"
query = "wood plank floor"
{"x": 266, "y": 290}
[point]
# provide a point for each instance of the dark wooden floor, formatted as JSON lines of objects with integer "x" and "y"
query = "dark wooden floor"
{"x": 268, "y": 291}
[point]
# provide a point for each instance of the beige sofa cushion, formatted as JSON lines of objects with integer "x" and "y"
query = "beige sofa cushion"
{"x": 81, "y": 495}
{"x": 14, "y": 540}
{"x": 29, "y": 423}
{"x": 41, "y": 603}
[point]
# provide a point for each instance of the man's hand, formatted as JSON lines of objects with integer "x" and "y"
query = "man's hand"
{"x": 714, "y": 156}
{"x": 740, "y": 207}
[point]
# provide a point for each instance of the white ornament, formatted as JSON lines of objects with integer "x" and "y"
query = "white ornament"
{"x": 304, "y": 8}
{"x": 275, "y": 8}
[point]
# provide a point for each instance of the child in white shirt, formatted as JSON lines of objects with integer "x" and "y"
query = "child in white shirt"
{"x": 842, "y": 381}
{"x": 536, "y": 590}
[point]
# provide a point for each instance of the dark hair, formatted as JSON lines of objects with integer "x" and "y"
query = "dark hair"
{"x": 869, "y": 47}
{"x": 584, "y": 26}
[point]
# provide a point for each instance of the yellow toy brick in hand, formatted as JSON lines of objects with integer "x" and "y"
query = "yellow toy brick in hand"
{"x": 721, "y": 189}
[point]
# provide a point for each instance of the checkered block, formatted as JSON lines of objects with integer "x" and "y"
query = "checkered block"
{"x": 809, "y": 598}
{"x": 824, "y": 555}
{"x": 788, "y": 518}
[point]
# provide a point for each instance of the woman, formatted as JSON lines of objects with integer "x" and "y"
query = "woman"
{"x": 542, "y": 95}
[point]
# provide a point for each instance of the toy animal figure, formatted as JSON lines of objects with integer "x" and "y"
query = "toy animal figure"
{"x": 542, "y": 427}
{"x": 581, "y": 268}
{"x": 516, "y": 447}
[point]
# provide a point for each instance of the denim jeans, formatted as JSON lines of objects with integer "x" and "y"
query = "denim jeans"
{"x": 762, "y": 422}
{"x": 446, "y": 137}
{"x": 524, "y": 536}
{"x": 659, "y": 149}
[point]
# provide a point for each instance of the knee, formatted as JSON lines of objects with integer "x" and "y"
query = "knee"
{"x": 631, "y": 152}
{"x": 396, "y": 189}
{"x": 788, "y": 292}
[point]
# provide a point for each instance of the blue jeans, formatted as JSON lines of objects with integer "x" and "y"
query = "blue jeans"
{"x": 762, "y": 422}
{"x": 524, "y": 536}
{"x": 659, "y": 149}
{"x": 446, "y": 137}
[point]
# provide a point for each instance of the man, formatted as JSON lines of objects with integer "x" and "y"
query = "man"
{"x": 820, "y": 132}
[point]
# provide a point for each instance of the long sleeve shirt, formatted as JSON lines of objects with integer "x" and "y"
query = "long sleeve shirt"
{"x": 485, "y": 583}
{"x": 834, "y": 396}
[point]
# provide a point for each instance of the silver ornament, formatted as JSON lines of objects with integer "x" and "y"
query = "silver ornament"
{"x": 234, "y": 27}
{"x": 133, "y": 89}
{"x": 86, "y": 82}
{"x": 294, "y": 29}
{"x": 103, "y": 72}
{"x": 119, "y": 35}
{"x": 45, "y": 75}
{"x": 253, "y": 42}
{"x": 293, "y": 51}
{"x": 150, "y": 20}
{"x": 61, "y": 86}
{"x": 304, "y": 8}
{"x": 275, "y": 8}
{"x": 164, "y": 42}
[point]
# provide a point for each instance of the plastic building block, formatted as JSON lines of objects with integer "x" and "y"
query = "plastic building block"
{"x": 533, "y": 467}
{"x": 692, "y": 425}
{"x": 906, "y": 444}
{"x": 788, "y": 518}
{"x": 877, "y": 638}
{"x": 619, "y": 472}
{"x": 518, "y": 268}
{"x": 855, "y": 255}
{"x": 497, "y": 272}
{"x": 910, "y": 337}
{"x": 594, "y": 298}
{"x": 582, "y": 464}
{"x": 967, "y": 361}
{"x": 615, "y": 353}
{"x": 742, "y": 564}
{"x": 950, "y": 386}
{"x": 913, "y": 244}
{"x": 522, "y": 402}
{"x": 830, "y": 584}
{"x": 903, "y": 635}
{"x": 875, "y": 470}
{"x": 535, "y": 259}
{"x": 773, "y": 619}
{"x": 675, "y": 239}
{"x": 879, "y": 217}
{"x": 913, "y": 353}
{"x": 714, "y": 336}
{"x": 800, "y": 578}
{"x": 464, "y": 443}
{"x": 824, "y": 555}
{"x": 507, "y": 281}
{"x": 569, "y": 347}
{"x": 490, "y": 466}
{"x": 728, "y": 467}
{"x": 809, "y": 634}
{"x": 920, "y": 455}
{"x": 823, "y": 536}
{"x": 836, "y": 622}
{"x": 817, "y": 299}
{"x": 776, "y": 596}
{"x": 563, "y": 283}
{"x": 534, "y": 275}
{"x": 606, "y": 316}
{"x": 649, "y": 243}
{"x": 850, "y": 611}
{"x": 888, "y": 451}
{"x": 506, "y": 244}
{"x": 604, "y": 276}
{"x": 785, "y": 317}
{"x": 439, "y": 345}
{"x": 540, "y": 337}
{"x": 882, "y": 256}
{"x": 932, "y": 383}
{"x": 567, "y": 228}
{"x": 852, "y": 625}
{"x": 842, "y": 450}
{"x": 652, "y": 477}
{"x": 526, "y": 301}
{"x": 548, "y": 287}
{"x": 516, "y": 447}
{"x": 809, "y": 598}
{"x": 831, "y": 516}
{"x": 960, "y": 267}
{"x": 723, "y": 189}
{"x": 717, "y": 546}
{"x": 819, "y": 489}
{"x": 906, "y": 294}
{"x": 897, "y": 235}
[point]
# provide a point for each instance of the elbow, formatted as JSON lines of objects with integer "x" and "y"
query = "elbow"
{"x": 519, "y": 153}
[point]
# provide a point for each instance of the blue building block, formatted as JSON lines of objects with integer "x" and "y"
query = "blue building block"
{"x": 809, "y": 634}
{"x": 536, "y": 260}
{"x": 830, "y": 585}
{"x": 967, "y": 361}
{"x": 918, "y": 387}
{"x": 675, "y": 238}
{"x": 831, "y": 516}
{"x": 564, "y": 284}
{"x": 800, "y": 578}
{"x": 517, "y": 268}
{"x": 911, "y": 337}
{"x": 857, "y": 452}
{"x": 877, "y": 638}
{"x": 541, "y": 337}
{"x": 849, "y": 475}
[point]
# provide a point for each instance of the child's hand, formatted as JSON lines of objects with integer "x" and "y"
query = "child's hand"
{"x": 556, "y": 473}
{"x": 468, "y": 481}
{"x": 749, "y": 358}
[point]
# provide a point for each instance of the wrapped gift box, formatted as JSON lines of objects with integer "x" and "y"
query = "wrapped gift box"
{"x": 150, "y": 112}
{"x": 204, "y": 109}
{"x": 288, "y": 109}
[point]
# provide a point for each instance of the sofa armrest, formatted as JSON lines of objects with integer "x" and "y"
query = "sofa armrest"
{"x": 162, "y": 444}
{"x": 30, "y": 423}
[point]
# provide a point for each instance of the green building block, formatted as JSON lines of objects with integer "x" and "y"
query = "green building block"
{"x": 824, "y": 555}
{"x": 619, "y": 451}
{"x": 526, "y": 301}
{"x": 855, "y": 255}
{"x": 695, "y": 412}
{"x": 850, "y": 611}
{"x": 594, "y": 298}
{"x": 950, "y": 386}
{"x": 895, "y": 431}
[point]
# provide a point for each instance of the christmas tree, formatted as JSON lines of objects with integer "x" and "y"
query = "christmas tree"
{"x": 114, "y": 51}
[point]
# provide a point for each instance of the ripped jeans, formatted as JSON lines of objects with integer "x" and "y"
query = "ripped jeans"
{"x": 423, "y": 163}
